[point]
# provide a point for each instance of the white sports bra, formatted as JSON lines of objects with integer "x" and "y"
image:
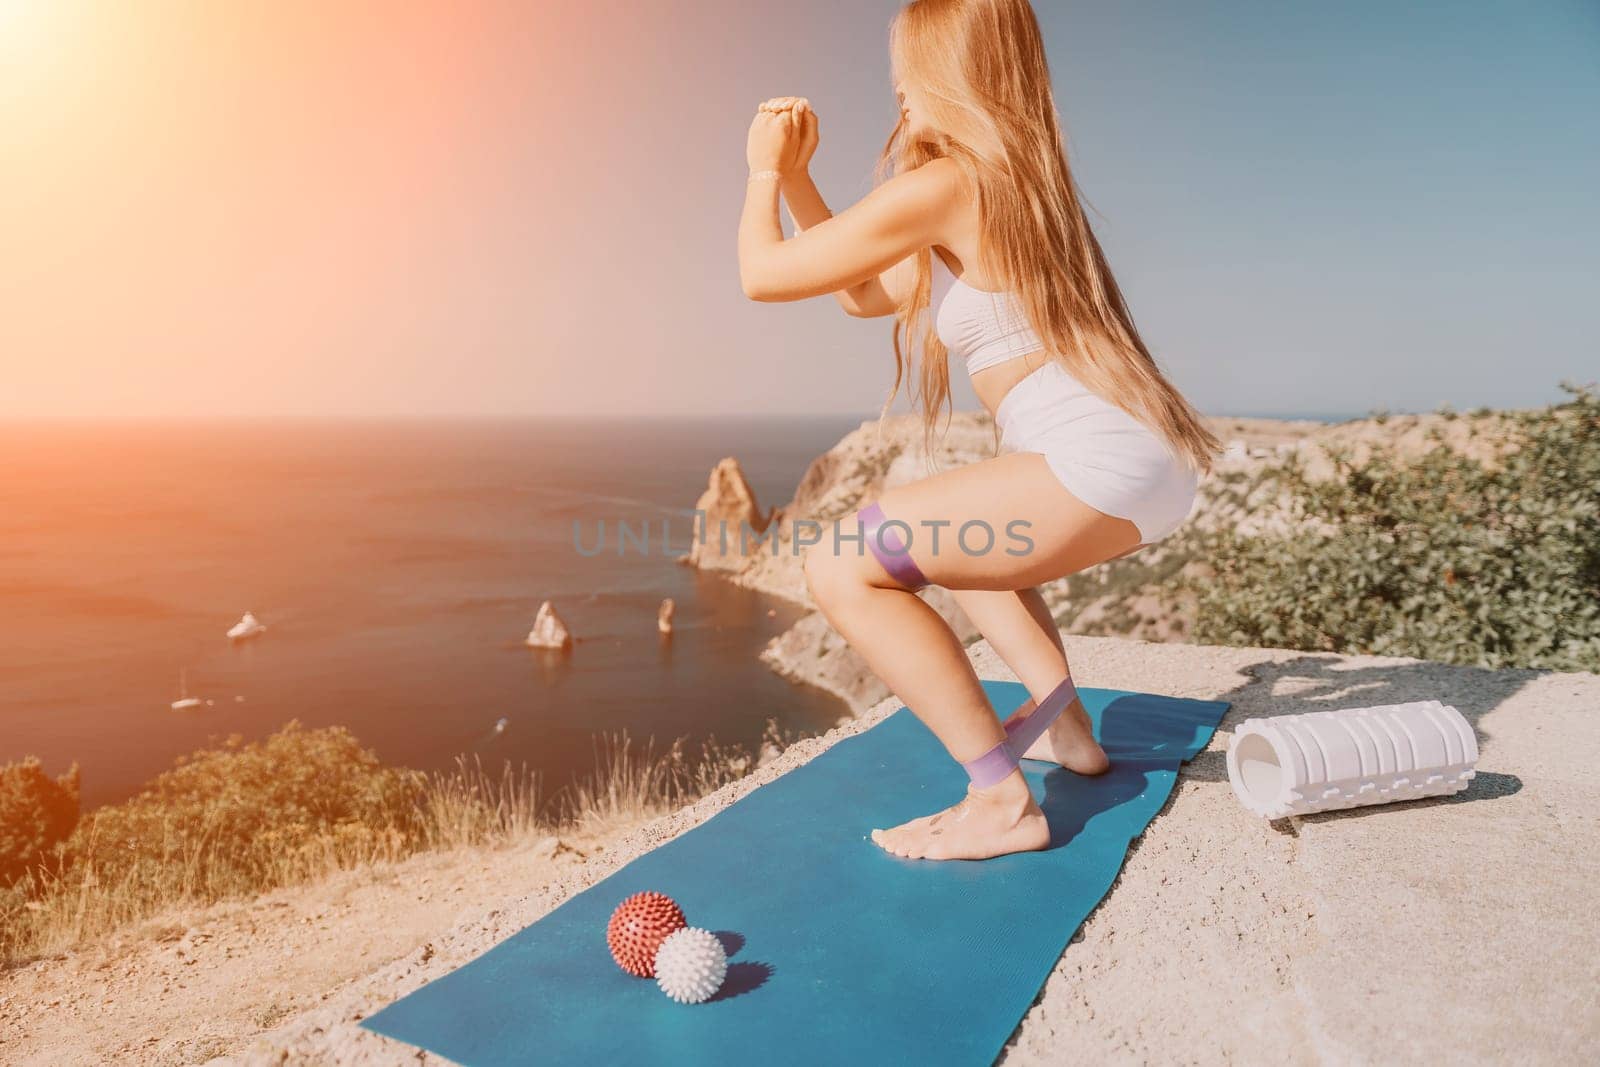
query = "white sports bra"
{"x": 984, "y": 328}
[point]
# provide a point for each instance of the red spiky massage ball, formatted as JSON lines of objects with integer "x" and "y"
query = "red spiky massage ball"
{"x": 638, "y": 927}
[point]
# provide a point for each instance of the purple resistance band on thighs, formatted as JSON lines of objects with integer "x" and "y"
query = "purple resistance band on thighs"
{"x": 994, "y": 765}
{"x": 892, "y": 552}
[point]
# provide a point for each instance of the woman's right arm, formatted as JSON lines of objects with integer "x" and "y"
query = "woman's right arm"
{"x": 880, "y": 295}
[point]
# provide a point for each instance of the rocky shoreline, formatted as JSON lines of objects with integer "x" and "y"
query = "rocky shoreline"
{"x": 1121, "y": 598}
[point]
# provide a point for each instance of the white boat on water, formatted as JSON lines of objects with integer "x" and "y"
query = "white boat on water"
{"x": 246, "y": 628}
{"x": 185, "y": 701}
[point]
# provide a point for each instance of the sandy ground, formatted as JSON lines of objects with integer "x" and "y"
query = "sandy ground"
{"x": 1460, "y": 929}
{"x": 184, "y": 988}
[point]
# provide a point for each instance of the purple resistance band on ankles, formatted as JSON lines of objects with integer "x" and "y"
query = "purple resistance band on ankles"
{"x": 994, "y": 765}
{"x": 892, "y": 553}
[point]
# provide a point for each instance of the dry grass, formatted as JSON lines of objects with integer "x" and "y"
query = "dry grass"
{"x": 626, "y": 789}
{"x": 238, "y": 821}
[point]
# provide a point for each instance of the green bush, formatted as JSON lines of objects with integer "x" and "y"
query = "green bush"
{"x": 37, "y": 813}
{"x": 244, "y": 818}
{"x": 1440, "y": 557}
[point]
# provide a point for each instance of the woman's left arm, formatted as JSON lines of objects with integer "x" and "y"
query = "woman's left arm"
{"x": 897, "y": 218}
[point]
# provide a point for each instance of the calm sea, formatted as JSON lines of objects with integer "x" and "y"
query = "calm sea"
{"x": 398, "y": 566}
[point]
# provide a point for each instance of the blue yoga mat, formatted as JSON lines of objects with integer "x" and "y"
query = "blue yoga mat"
{"x": 838, "y": 952}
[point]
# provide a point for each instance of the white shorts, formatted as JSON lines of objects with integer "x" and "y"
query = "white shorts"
{"x": 1104, "y": 456}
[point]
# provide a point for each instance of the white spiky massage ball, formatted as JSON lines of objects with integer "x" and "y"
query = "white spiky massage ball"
{"x": 690, "y": 965}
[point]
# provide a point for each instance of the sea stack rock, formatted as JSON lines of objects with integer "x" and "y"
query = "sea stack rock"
{"x": 664, "y": 616}
{"x": 548, "y": 629}
{"x": 247, "y": 627}
{"x": 727, "y": 502}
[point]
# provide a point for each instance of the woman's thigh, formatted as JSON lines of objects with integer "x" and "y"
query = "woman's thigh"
{"x": 1002, "y": 523}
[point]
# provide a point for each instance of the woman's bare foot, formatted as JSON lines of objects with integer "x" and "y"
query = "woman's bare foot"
{"x": 1069, "y": 741}
{"x": 1004, "y": 818}
{"x": 1001, "y": 819}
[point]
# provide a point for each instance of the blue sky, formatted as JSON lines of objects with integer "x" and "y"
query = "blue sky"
{"x": 1331, "y": 207}
{"x": 513, "y": 208}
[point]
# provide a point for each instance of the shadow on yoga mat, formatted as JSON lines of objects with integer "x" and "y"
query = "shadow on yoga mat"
{"x": 838, "y": 952}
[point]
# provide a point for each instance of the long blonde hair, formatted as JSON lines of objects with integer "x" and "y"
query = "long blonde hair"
{"x": 980, "y": 66}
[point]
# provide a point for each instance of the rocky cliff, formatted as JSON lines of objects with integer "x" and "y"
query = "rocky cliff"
{"x": 1125, "y": 598}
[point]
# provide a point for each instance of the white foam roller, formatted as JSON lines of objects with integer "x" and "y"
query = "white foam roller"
{"x": 1323, "y": 760}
